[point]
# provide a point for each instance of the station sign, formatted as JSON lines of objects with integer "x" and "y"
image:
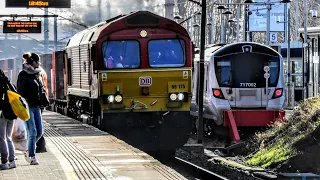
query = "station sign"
{"x": 38, "y": 3}
{"x": 258, "y": 18}
{"x": 21, "y": 26}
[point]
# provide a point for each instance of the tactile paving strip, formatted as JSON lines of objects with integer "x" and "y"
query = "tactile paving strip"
{"x": 83, "y": 167}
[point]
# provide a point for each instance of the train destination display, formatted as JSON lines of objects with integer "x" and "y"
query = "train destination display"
{"x": 21, "y": 26}
{"x": 36, "y": 3}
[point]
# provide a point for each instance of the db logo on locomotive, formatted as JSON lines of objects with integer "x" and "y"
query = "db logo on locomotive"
{"x": 145, "y": 81}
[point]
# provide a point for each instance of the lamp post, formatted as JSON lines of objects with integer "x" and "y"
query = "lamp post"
{"x": 222, "y": 35}
{"x": 201, "y": 70}
{"x": 201, "y": 66}
{"x": 290, "y": 86}
{"x": 305, "y": 48}
{"x": 246, "y": 19}
{"x": 231, "y": 31}
{"x": 227, "y": 13}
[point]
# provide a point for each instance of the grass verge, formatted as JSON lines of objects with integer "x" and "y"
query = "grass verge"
{"x": 277, "y": 144}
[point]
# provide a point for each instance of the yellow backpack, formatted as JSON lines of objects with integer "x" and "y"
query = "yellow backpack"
{"x": 19, "y": 105}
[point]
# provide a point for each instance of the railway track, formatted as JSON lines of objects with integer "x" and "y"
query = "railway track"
{"x": 191, "y": 171}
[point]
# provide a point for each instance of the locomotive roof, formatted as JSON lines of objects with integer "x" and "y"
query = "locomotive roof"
{"x": 143, "y": 19}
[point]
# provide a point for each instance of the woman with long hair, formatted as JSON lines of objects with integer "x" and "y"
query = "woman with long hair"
{"x": 30, "y": 87}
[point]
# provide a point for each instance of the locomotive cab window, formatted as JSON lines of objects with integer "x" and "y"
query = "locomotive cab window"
{"x": 237, "y": 70}
{"x": 121, "y": 54}
{"x": 167, "y": 53}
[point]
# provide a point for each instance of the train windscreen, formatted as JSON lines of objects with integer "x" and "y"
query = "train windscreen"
{"x": 245, "y": 70}
{"x": 167, "y": 53}
{"x": 121, "y": 54}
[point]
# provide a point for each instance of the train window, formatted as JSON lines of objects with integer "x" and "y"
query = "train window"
{"x": 273, "y": 63}
{"x": 223, "y": 72}
{"x": 69, "y": 72}
{"x": 10, "y": 63}
{"x": 167, "y": 53}
{"x": 121, "y": 54}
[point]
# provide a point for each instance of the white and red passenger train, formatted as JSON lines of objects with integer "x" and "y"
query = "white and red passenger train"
{"x": 235, "y": 92}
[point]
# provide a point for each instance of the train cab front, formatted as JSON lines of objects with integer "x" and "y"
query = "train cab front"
{"x": 146, "y": 101}
{"x": 146, "y": 107}
{"x": 241, "y": 85}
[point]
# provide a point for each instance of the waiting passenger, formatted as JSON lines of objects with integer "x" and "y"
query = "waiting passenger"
{"x": 6, "y": 127}
{"x": 30, "y": 87}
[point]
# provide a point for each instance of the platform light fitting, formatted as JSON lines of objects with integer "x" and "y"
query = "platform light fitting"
{"x": 177, "y": 16}
{"x": 221, "y": 7}
{"x": 249, "y": 1}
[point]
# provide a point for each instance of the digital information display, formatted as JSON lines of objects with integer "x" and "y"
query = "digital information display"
{"x": 36, "y": 3}
{"x": 21, "y": 26}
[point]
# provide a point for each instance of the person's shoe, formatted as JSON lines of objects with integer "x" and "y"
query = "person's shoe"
{"x": 4, "y": 166}
{"x": 26, "y": 157}
{"x": 12, "y": 164}
{"x": 34, "y": 161}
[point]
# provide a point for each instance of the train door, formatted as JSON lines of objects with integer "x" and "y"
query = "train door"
{"x": 11, "y": 70}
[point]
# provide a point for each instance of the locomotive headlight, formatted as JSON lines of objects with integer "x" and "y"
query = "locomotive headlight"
{"x": 110, "y": 98}
{"x": 173, "y": 97}
{"x": 180, "y": 96}
{"x": 118, "y": 98}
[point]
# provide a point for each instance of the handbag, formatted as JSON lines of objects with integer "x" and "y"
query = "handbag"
{"x": 19, "y": 105}
{"x": 44, "y": 101}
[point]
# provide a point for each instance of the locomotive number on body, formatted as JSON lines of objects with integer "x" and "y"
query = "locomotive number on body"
{"x": 179, "y": 86}
{"x": 252, "y": 85}
{"x": 145, "y": 81}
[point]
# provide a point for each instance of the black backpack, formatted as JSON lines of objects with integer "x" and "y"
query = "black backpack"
{"x": 5, "y": 106}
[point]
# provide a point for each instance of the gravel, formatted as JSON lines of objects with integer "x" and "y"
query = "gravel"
{"x": 202, "y": 161}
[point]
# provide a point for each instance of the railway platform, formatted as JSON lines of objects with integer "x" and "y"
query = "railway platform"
{"x": 80, "y": 151}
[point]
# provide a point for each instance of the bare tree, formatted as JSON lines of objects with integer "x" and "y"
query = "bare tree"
{"x": 231, "y": 28}
{"x": 87, "y": 12}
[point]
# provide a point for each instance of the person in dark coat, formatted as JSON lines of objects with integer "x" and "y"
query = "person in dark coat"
{"x": 29, "y": 86}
